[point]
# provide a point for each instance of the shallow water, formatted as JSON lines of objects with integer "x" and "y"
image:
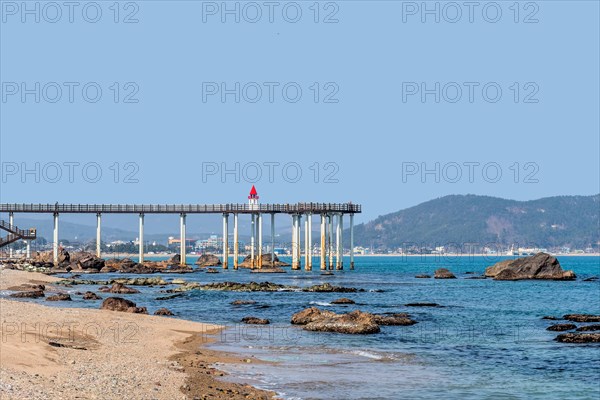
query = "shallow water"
{"x": 488, "y": 341}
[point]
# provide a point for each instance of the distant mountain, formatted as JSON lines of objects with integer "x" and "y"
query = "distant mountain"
{"x": 571, "y": 221}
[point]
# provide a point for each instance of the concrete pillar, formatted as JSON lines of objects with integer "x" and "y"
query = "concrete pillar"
{"x": 225, "y": 240}
{"x": 182, "y": 261}
{"x": 141, "y": 239}
{"x": 236, "y": 246}
{"x": 98, "y": 222}
{"x": 299, "y": 236}
{"x": 28, "y": 252}
{"x": 259, "y": 221}
{"x": 323, "y": 242}
{"x": 306, "y": 245}
{"x": 273, "y": 240}
{"x": 11, "y": 222}
{"x": 339, "y": 242}
{"x": 330, "y": 240}
{"x": 310, "y": 252}
{"x": 252, "y": 239}
{"x": 55, "y": 237}
{"x": 295, "y": 244}
{"x": 351, "y": 241}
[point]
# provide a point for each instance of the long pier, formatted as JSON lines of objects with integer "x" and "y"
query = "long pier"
{"x": 331, "y": 215}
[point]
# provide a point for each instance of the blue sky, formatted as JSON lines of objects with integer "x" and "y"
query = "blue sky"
{"x": 366, "y": 129}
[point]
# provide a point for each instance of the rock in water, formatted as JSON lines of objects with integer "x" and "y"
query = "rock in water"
{"x": 443, "y": 273}
{"x": 561, "y": 327}
{"x": 582, "y": 317}
{"x": 309, "y": 315}
{"x": 119, "y": 288}
{"x": 208, "y": 260}
{"x": 91, "y": 296}
{"x": 123, "y": 305}
{"x": 242, "y": 302}
{"x": 398, "y": 319}
{"x": 588, "y": 328}
{"x": 422, "y": 276}
{"x": 539, "y": 266}
{"x": 578, "y": 338}
{"x": 163, "y": 311}
{"x": 355, "y": 322}
{"x": 255, "y": 321}
{"x": 422, "y": 305}
{"x": 343, "y": 300}
{"x": 59, "y": 297}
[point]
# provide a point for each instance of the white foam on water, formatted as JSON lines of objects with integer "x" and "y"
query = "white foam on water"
{"x": 321, "y": 303}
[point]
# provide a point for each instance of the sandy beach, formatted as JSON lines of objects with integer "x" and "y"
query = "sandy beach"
{"x": 59, "y": 353}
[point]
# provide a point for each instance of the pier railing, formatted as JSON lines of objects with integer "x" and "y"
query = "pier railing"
{"x": 344, "y": 208}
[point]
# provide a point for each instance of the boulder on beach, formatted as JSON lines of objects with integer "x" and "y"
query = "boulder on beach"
{"x": 122, "y": 305}
{"x": 83, "y": 260}
{"x": 539, "y": 266}
{"x": 91, "y": 296}
{"x": 561, "y": 327}
{"x": 582, "y": 317}
{"x": 48, "y": 257}
{"x": 578, "y": 338}
{"x": 255, "y": 321}
{"x": 343, "y": 300}
{"x": 443, "y": 273}
{"x": 208, "y": 260}
{"x": 163, "y": 311}
{"x": 59, "y": 297}
{"x": 29, "y": 294}
{"x": 118, "y": 288}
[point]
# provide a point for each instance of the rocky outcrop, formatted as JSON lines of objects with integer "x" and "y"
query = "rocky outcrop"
{"x": 154, "y": 281}
{"x": 266, "y": 262}
{"x": 578, "y": 338}
{"x": 122, "y": 305}
{"x": 163, "y": 311}
{"x": 550, "y": 317}
{"x": 29, "y": 294}
{"x": 422, "y": 305}
{"x": 582, "y": 317}
{"x": 212, "y": 271}
{"x": 588, "y": 328}
{"x": 355, "y": 322}
{"x": 255, "y": 321}
{"x": 118, "y": 288}
{"x": 422, "y": 276}
{"x": 343, "y": 300}
{"x": 268, "y": 270}
{"x": 47, "y": 257}
{"x": 242, "y": 302}
{"x": 175, "y": 260}
{"x": 208, "y": 260}
{"x": 443, "y": 273}
{"x": 86, "y": 261}
{"x": 561, "y": 327}
{"x": 329, "y": 288}
{"x": 261, "y": 287}
{"x": 539, "y": 266}
{"x": 91, "y": 296}
{"x": 59, "y": 297}
{"x": 394, "y": 319}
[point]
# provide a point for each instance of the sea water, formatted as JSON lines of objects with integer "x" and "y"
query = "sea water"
{"x": 488, "y": 341}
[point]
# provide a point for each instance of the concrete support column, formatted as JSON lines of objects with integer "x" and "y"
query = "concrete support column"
{"x": 141, "y": 239}
{"x": 236, "y": 246}
{"x": 323, "y": 242}
{"x": 330, "y": 240}
{"x": 252, "y": 239}
{"x": 310, "y": 252}
{"x": 339, "y": 242}
{"x": 98, "y": 223}
{"x": 28, "y": 251}
{"x": 295, "y": 244}
{"x": 306, "y": 245}
{"x": 260, "y": 241}
{"x": 55, "y": 242}
{"x": 225, "y": 240}
{"x": 182, "y": 261}
{"x": 351, "y": 241}
{"x": 11, "y": 222}
{"x": 299, "y": 236}
{"x": 273, "y": 240}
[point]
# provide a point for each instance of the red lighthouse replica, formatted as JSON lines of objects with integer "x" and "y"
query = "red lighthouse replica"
{"x": 253, "y": 198}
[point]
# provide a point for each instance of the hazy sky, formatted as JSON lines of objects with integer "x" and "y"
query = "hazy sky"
{"x": 384, "y": 96}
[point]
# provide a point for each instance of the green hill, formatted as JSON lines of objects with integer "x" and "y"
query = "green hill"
{"x": 571, "y": 221}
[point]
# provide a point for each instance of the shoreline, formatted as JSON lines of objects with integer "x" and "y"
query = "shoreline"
{"x": 55, "y": 352}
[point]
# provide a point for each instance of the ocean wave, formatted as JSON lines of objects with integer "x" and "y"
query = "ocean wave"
{"x": 321, "y": 303}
